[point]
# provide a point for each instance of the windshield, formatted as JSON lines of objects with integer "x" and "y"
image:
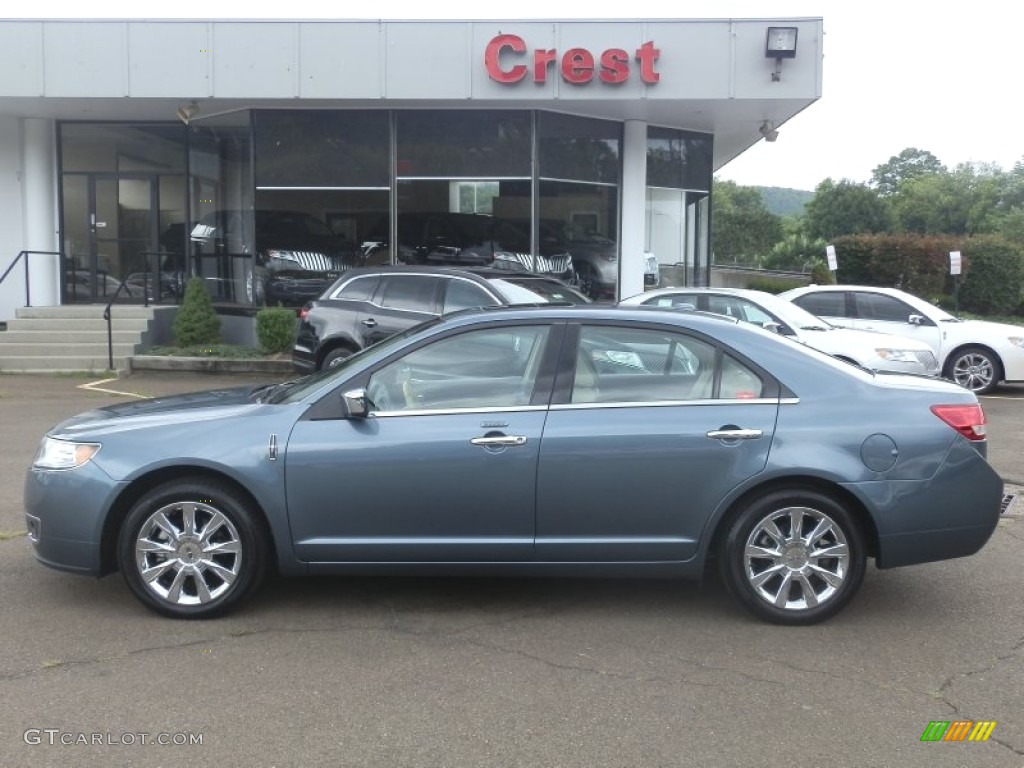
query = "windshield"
{"x": 297, "y": 389}
{"x": 533, "y": 290}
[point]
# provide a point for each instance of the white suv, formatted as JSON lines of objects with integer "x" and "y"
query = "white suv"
{"x": 976, "y": 354}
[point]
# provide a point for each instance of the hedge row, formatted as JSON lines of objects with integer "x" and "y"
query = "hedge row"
{"x": 992, "y": 268}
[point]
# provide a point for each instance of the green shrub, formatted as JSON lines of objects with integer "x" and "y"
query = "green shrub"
{"x": 994, "y": 276}
{"x": 918, "y": 264}
{"x": 774, "y": 284}
{"x": 275, "y": 329}
{"x": 821, "y": 274}
{"x": 196, "y": 322}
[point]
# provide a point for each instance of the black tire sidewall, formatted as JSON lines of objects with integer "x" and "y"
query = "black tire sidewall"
{"x": 231, "y": 505}
{"x": 732, "y": 567}
{"x": 338, "y": 353}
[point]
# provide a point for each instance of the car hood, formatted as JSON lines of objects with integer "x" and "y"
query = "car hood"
{"x": 196, "y": 406}
{"x": 837, "y": 340}
{"x": 981, "y": 329}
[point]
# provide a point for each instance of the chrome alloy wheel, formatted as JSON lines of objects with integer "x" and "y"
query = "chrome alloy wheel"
{"x": 796, "y": 558}
{"x": 974, "y": 371}
{"x": 188, "y": 553}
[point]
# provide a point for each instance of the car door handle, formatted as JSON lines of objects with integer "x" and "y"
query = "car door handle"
{"x": 369, "y": 322}
{"x": 735, "y": 434}
{"x": 499, "y": 441}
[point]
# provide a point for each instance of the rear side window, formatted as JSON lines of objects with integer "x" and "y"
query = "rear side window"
{"x": 825, "y": 304}
{"x": 358, "y": 289}
{"x": 676, "y": 300}
{"x": 414, "y": 293}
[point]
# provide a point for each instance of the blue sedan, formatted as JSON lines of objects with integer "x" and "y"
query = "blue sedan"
{"x": 579, "y": 441}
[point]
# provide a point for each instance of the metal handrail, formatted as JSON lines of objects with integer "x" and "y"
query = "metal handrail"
{"x": 145, "y": 298}
{"x": 26, "y": 254}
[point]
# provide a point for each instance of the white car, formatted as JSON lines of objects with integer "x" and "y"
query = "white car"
{"x": 877, "y": 351}
{"x": 976, "y": 354}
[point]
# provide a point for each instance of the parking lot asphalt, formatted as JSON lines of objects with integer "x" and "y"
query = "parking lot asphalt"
{"x": 485, "y": 672}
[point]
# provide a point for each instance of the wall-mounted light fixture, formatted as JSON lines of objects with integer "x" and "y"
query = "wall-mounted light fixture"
{"x": 187, "y": 111}
{"x": 780, "y": 44}
{"x": 767, "y": 130}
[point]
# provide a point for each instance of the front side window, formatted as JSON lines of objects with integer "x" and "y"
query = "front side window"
{"x": 674, "y": 300}
{"x": 875, "y": 306}
{"x": 824, "y": 304}
{"x": 490, "y": 368}
{"x": 627, "y": 365}
{"x": 462, "y": 294}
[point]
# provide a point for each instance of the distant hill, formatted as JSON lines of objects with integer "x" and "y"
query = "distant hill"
{"x": 783, "y": 201}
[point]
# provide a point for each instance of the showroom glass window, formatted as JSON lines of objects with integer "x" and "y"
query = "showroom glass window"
{"x": 462, "y": 186}
{"x": 332, "y": 166}
{"x": 220, "y": 231}
{"x": 580, "y": 170}
{"x": 122, "y": 187}
{"x": 679, "y": 174}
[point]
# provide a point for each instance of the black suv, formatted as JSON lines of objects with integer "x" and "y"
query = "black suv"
{"x": 368, "y": 304}
{"x": 470, "y": 240}
{"x": 296, "y": 255}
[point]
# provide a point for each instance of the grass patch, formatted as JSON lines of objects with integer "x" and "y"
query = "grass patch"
{"x": 7, "y": 535}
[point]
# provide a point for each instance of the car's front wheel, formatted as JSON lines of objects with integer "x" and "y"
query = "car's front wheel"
{"x": 192, "y": 548}
{"x": 974, "y": 368}
{"x": 793, "y": 556}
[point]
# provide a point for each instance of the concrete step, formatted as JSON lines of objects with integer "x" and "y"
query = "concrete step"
{"x": 81, "y": 311}
{"x": 78, "y": 323}
{"x": 62, "y": 336}
{"x": 66, "y": 349}
{"x": 60, "y": 363}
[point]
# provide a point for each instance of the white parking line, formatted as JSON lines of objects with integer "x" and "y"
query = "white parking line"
{"x": 93, "y": 386}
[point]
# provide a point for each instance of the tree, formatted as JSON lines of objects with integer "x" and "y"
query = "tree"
{"x": 911, "y": 163}
{"x": 846, "y": 208}
{"x": 967, "y": 201}
{"x": 742, "y": 228}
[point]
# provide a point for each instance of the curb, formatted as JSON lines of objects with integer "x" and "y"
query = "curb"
{"x": 207, "y": 364}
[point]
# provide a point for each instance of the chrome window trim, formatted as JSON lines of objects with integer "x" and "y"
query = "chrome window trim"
{"x": 458, "y": 411}
{"x": 668, "y": 403}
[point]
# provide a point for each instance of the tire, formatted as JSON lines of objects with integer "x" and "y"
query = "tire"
{"x": 975, "y": 368}
{"x": 192, "y": 549}
{"x": 787, "y": 583}
{"x": 586, "y": 280}
{"x": 255, "y": 287}
{"x": 335, "y": 356}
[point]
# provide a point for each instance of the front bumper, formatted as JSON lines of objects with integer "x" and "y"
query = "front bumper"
{"x": 65, "y": 512}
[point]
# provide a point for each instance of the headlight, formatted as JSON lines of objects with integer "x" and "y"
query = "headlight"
{"x": 897, "y": 355}
{"x": 63, "y": 454}
{"x": 1017, "y": 341}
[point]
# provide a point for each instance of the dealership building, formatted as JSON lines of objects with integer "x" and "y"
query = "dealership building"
{"x": 133, "y": 148}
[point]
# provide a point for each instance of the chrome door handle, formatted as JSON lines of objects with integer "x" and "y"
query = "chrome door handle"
{"x": 369, "y": 322}
{"x": 735, "y": 434}
{"x": 499, "y": 440}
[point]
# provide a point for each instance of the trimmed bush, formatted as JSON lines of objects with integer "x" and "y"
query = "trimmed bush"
{"x": 918, "y": 264}
{"x": 275, "y": 329}
{"x": 196, "y": 323}
{"x": 994, "y": 278}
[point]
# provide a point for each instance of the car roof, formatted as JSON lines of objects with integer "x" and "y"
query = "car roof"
{"x": 749, "y": 293}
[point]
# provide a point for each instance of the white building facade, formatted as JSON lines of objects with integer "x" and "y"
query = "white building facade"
{"x": 190, "y": 147}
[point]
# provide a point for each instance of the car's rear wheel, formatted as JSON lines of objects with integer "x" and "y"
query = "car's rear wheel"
{"x": 192, "y": 548}
{"x": 587, "y": 280}
{"x": 974, "y": 368}
{"x": 793, "y": 556}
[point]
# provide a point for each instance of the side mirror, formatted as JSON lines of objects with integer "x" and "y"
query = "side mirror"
{"x": 771, "y": 325}
{"x": 354, "y": 404}
{"x": 915, "y": 319}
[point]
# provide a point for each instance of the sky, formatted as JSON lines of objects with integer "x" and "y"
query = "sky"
{"x": 939, "y": 76}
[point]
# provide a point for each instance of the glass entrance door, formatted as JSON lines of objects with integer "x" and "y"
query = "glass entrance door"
{"x": 111, "y": 223}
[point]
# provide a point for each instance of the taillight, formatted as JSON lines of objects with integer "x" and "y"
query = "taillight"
{"x": 303, "y": 313}
{"x": 968, "y": 420}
